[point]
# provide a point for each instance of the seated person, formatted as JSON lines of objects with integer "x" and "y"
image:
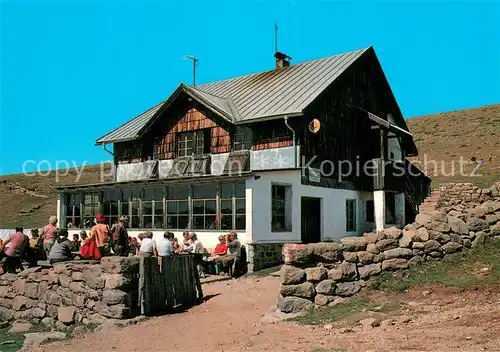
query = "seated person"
{"x": 186, "y": 242}
{"x": 147, "y": 245}
{"x": 13, "y": 247}
{"x": 62, "y": 248}
{"x": 196, "y": 247}
{"x": 175, "y": 243}
{"x": 76, "y": 242}
{"x": 88, "y": 249}
{"x": 220, "y": 250}
{"x": 233, "y": 251}
{"x": 133, "y": 246}
{"x": 164, "y": 247}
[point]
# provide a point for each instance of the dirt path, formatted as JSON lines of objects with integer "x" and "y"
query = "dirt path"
{"x": 231, "y": 320}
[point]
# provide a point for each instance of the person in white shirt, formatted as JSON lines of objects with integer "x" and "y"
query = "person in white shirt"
{"x": 164, "y": 247}
{"x": 196, "y": 247}
{"x": 147, "y": 245}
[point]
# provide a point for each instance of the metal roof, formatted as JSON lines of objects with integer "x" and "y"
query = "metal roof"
{"x": 284, "y": 91}
{"x": 287, "y": 90}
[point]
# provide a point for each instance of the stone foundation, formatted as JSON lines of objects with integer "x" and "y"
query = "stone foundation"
{"x": 71, "y": 293}
{"x": 264, "y": 255}
{"x": 322, "y": 274}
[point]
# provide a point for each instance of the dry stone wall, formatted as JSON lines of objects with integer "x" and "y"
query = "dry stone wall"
{"x": 71, "y": 293}
{"x": 322, "y": 274}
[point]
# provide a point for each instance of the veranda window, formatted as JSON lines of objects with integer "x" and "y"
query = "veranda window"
{"x": 90, "y": 208}
{"x": 232, "y": 206}
{"x": 204, "y": 199}
{"x": 152, "y": 208}
{"x": 177, "y": 207}
{"x": 73, "y": 215}
{"x": 130, "y": 206}
{"x": 110, "y": 205}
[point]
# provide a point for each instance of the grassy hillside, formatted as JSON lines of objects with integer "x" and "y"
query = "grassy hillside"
{"x": 445, "y": 137}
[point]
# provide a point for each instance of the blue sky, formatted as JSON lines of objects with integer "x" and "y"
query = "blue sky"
{"x": 72, "y": 71}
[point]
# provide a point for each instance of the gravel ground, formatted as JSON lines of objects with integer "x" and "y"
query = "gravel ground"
{"x": 234, "y": 318}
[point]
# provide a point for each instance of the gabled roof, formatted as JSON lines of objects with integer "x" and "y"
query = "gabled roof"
{"x": 285, "y": 91}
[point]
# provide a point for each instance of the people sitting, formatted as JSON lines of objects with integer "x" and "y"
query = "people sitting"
{"x": 196, "y": 247}
{"x": 176, "y": 245}
{"x": 147, "y": 245}
{"x": 164, "y": 247}
{"x": 186, "y": 242}
{"x": 100, "y": 234}
{"x": 62, "y": 248}
{"x": 76, "y": 242}
{"x": 220, "y": 250}
{"x": 88, "y": 249}
{"x": 120, "y": 238}
{"x": 33, "y": 251}
{"x": 13, "y": 248}
{"x": 233, "y": 251}
{"x": 133, "y": 246}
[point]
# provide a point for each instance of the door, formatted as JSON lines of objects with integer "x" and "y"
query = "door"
{"x": 310, "y": 210}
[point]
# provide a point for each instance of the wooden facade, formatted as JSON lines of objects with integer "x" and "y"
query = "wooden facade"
{"x": 161, "y": 141}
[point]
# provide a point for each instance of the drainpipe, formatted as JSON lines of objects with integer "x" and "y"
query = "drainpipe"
{"x": 293, "y": 139}
{"x": 109, "y": 151}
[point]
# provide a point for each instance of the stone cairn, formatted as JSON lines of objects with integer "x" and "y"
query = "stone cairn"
{"x": 71, "y": 293}
{"x": 321, "y": 274}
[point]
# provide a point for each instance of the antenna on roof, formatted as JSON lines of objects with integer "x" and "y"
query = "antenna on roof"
{"x": 276, "y": 36}
{"x": 195, "y": 61}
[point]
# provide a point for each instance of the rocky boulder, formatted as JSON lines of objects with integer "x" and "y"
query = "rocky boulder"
{"x": 439, "y": 216}
{"x": 458, "y": 225}
{"x": 294, "y": 304}
{"x": 369, "y": 270}
{"x": 452, "y": 247}
{"x": 291, "y": 275}
{"x": 398, "y": 253}
{"x": 346, "y": 289}
{"x": 326, "y": 287}
{"x": 343, "y": 272}
{"x": 305, "y": 290}
{"x": 316, "y": 274}
{"x": 422, "y": 219}
{"x": 386, "y": 244}
{"x": 394, "y": 264}
{"x": 353, "y": 244}
{"x": 393, "y": 232}
{"x": 476, "y": 224}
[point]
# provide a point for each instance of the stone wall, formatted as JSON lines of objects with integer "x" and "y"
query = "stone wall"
{"x": 324, "y": 273}
{"x": 71, "y": 293}
{"x": 264, "y": 255}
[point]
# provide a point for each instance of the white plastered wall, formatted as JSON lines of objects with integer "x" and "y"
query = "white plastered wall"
{"x": 333, "y": 212}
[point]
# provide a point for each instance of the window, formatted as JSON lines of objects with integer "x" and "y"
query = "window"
{"x": 177, "y": 207}
{"x": 370, "y": 211}
{"x": 185, "y": 142}
{"x": 281, "y": 208}
{"x": 240, "y": 206}
{"x": 204, "y": 199}
{"x": 152, "y": 208}
{"x": 242, "y": 138}
{"x": 73, "y": 215}
{"x": 110, "y": 205}
{"x": 90, "y": 208}
{"x": 130, "y": 206}
{"x": 196, "y": 142}
{"x": 232, "y": 206}
{"x": 350, "y": 215}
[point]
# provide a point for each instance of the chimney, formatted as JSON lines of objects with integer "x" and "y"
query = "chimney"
{"x": 282, "y": 60}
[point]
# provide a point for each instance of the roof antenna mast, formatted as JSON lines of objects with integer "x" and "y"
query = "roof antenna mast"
{"x": 195, "y": 61}
{"x": 276, "y": 36}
